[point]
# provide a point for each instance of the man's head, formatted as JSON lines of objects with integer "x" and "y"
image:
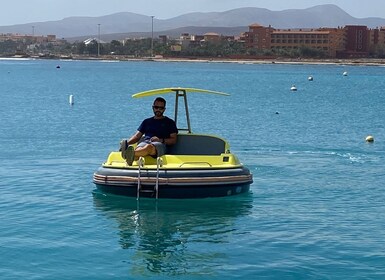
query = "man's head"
{"x": 159, "y": 107}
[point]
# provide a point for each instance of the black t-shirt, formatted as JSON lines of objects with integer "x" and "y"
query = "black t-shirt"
{"x": 161, "y": 128}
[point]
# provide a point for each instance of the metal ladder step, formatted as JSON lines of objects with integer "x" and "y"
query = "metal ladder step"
{"x": 146, "y": 189}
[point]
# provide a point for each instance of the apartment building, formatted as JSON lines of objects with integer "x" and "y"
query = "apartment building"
{"x": 348, "y": 41}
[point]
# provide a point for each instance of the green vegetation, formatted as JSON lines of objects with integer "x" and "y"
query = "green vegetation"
{"x": 9, "y": 47}
{"x": 142, "y": 48}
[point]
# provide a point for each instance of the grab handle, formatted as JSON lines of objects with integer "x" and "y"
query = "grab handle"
{"x": 196, "y": 163}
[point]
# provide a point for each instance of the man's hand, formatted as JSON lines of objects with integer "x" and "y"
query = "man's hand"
{"x": 155, "y": 139}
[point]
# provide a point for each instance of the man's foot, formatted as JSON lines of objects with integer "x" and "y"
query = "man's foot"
{"x": 123, "y": 147}
{"x": 129, "y": 155}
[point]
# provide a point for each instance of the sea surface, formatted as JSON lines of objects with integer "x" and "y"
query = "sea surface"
{"x": 316, "y": 209}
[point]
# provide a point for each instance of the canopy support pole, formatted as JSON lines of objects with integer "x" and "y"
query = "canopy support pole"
{"x": 182, "y": 93}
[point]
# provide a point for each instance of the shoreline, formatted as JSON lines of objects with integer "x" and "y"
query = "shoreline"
{"x": 360, "y": 62}
{"x": 298, "y": 61}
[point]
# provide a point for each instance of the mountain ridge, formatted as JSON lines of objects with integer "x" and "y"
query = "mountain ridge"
{"x": 327, "y": 15}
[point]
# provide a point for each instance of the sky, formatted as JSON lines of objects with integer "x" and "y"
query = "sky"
{"x": 29, "y": 11}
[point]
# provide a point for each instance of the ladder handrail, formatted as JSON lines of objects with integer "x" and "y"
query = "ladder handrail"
{"x": 138, "y": 189}
{"x": 140, "y": 165}
{"x": 159, "y": 163}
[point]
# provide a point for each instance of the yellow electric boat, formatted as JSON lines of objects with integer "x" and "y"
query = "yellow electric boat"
{"x": 197, "y": 166}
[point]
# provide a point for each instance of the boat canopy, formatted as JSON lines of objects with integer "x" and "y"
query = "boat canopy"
{"x": 179, "y": 92}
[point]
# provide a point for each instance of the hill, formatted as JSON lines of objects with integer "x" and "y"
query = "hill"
{"x": 126, "y": 23}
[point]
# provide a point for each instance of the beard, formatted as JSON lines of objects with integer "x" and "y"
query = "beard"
{"x": 158, "y": 114}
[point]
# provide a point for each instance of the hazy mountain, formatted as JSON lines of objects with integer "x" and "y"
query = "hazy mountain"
{"x": 126, "y": 22}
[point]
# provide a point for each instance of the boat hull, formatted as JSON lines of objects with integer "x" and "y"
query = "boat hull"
{"x": 194, "y": 183}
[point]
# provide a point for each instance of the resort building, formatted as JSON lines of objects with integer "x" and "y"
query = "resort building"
{"x": 377, "y": 40}
{"x": 330, "y": 40}
{"x": 357, "y": 42}
{"x": 351, "y": 41}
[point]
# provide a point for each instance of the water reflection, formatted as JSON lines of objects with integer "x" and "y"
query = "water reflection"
{"x": 173, "y": 236}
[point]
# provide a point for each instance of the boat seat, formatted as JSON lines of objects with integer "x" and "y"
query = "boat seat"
{"x": 191, "y": 144}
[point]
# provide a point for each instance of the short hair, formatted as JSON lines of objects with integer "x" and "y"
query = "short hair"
{"x": 160, "y": 99}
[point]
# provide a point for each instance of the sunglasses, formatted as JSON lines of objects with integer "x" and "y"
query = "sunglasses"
{"x": 158, "y": 107}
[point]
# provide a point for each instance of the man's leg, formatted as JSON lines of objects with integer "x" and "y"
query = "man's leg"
{"x": 146, "y": 150}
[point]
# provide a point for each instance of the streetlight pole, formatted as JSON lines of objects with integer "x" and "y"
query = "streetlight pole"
{"x": 152, "y": 36}
{"x": 33, "y": 38}
{"x": 98, "y": 39}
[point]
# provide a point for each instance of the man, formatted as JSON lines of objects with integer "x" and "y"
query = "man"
{"x": 158, "y": 131}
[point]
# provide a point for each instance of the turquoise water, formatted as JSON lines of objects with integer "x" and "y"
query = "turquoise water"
{"x": 315, "y": 210}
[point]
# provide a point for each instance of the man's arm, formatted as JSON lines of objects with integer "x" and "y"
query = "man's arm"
{"x": 135, "y": 138}
{"x": 171, "y": 140}
{"x": 167, "y": 141}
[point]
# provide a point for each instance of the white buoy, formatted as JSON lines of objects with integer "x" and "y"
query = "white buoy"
{"x": 310, "y": 78}
{"x": 369, "y": 139}
{"x": 345, "y": 73}
{"x": 71, "y": 100}
{"x": 293, "y": 88}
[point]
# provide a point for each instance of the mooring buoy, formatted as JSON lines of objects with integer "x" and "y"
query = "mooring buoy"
{"x": 71, "y": 99}
{"x": 369, "y": 139}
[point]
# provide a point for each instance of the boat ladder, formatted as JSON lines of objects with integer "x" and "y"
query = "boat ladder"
{"x": 141, "y": 189}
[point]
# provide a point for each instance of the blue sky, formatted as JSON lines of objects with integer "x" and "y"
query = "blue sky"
{"x": 27, "y": 11}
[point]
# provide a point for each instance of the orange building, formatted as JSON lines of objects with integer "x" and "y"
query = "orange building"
{"x": 381, "y": 36}
{"x": 321, "y": 39}
{"x": 258, "y": 37}
{"x": 351, "y": 41}
{"x": 357, "y": 42}
{"x": 330, "y": 40}
{"x": 377, "y": 39}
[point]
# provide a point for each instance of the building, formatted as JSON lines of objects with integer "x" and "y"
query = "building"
{"x": 357, "y": 42}
{"x": 351, "y": 41}
{"x": 28, "y": 38}
{"x": 212, "y": 37}
{"x": 187, "y": 40}
{"x": 258, "y": 37}
{"x": 329, "y": 40}
{"x": 381, "y": 36}
{"x": 164, "y": 39}
{"x": 294, "y": 39}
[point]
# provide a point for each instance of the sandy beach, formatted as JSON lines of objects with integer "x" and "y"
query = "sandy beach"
{"x": 359, "y": 61}
{"x": 366, "y": 61}
{"x": 332, "y": 61}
